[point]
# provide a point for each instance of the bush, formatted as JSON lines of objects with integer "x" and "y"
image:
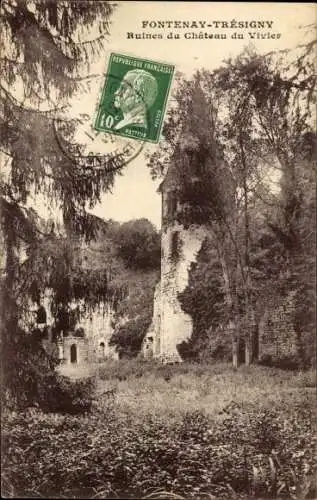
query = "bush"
{"x": 214, "y": 344}
{"x": 284, "y": 363}
{"x": 258, "y": 453}
{"x": 59, "y": 394}
{"x": 142, "y": 367}
{"x": 122, "y": 370}
{"x": 30, "y": 379}
{"x": 24, "y": 364}
{"x": 129, "y": 336}
{"x": 80, "y": 332}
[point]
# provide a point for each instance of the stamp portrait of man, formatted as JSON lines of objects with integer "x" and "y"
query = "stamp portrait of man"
{"x": 136, "y": 94}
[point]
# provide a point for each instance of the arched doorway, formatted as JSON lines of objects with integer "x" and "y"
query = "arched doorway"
{"x": 73, "y": 353}
{"x": 148, "y": 347}
{"x": 101, "y": 350}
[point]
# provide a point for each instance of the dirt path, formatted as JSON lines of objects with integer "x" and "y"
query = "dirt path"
{"x": 79, "y": 371}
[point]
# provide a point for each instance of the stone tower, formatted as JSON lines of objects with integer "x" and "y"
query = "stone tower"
{"x": 170, "y": 325}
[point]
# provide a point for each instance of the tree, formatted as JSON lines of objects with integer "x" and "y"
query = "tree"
{"x": 206, "y": 185}
{"x": 138, "y": 247}
{"x": 274, "y": 96}
{"x": 228, "y": 130}
{"x": 46, "y": 62}
{"x": 138, "y": 244}
{"x": 134, "y": 312}
{"x": 203, "y": 299}
{"x": 45, "y": 59}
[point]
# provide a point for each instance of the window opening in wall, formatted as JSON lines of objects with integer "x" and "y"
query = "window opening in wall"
{"x": 175, "y": 242}
{"x": 171, "y": 203}
{"x": 73, "y": 353}
{"x": 41, "y": 315}
{"x": 102, "y": 349}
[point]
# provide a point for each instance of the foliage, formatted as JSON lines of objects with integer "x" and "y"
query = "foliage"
{"x": 134, "y": 313}
{"x": 58, "y": 394}
{"x": 82, "y": 276}
{"x": 237, "y": 454}
{"x": 126, "y": 369}
{"x": 138, "y": 244}
{"x": 142, "y": 367}
{"x": 70, "y": 279}
{"x": 213, "y": 376}
{"x": 22, "y": 377}
{"x": 50, "y": 72}
{"x": 119, "y": 267}
{"x": 272, "y": 98}
{"x": 204, "y": 287}
{"x": 128, "y": 337}
{"x": 36, "y": 382}
{"x": 214, "y": 343}
{"x": 80, "y": 332}
{"x": 43, "y": 60}
{"x": 230, "y": 136}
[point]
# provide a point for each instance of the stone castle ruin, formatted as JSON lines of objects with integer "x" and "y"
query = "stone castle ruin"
{"x": 274, "y": 338}
{"x": 171, "y": 325}
{"x": 88, "y": 343}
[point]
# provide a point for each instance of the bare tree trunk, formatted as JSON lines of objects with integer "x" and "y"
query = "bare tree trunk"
{"x": 246, "y": 276}
{"x": 235, "y": 349}
{"x": 232, "y": 325}
{"x": 248, "y": 352}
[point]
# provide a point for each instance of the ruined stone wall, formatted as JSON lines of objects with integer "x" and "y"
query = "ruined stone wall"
{"x": 151, "y": 343}
{"x": 98, "y": 328}
{"x": 171, "y": 325}
{"x": 176, "y": 325}
{"x": 75, "y": 350}
{"x": 277, "y": 337}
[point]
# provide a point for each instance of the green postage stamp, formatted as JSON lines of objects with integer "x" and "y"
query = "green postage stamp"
{"x": 134, "y": 97}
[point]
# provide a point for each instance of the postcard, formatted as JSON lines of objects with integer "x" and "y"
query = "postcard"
{"x": 158, "y": 263}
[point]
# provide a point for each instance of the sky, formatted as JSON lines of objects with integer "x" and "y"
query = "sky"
{"x": 134, "y": 194}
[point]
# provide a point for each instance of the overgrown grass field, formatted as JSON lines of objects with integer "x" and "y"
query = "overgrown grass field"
{"x": 192, "y": 430}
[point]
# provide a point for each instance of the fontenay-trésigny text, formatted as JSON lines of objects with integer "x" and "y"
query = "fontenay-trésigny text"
{"x": 234, "y": 24}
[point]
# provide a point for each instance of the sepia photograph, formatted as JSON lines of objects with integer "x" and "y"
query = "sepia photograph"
{"x": 158, "y": 250}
